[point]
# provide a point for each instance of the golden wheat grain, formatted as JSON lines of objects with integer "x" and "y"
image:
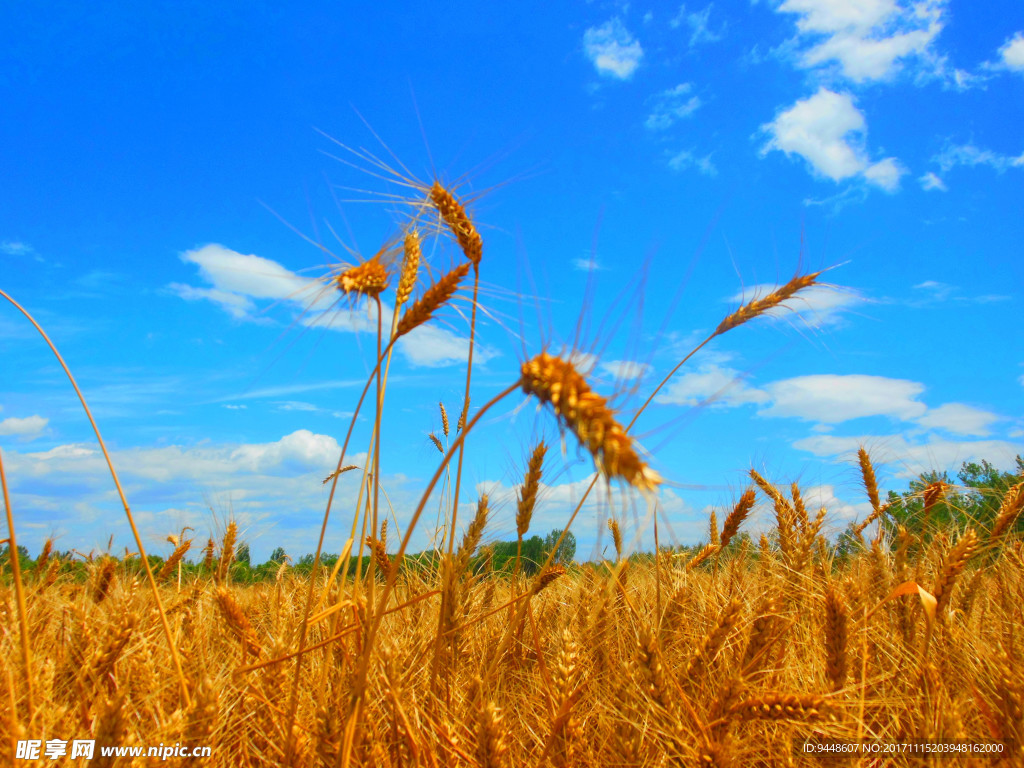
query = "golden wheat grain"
{"x": 1009, "y": 510}
{"x": 546, "y": 577}
{"x": 783, "y": 706}
{"x": 172, "y": 562}
{"x": 104, "y": 579}
{"x": 705, "y": 552}
{"x": 338, "y": 472}
{"x": 565, "y": 680}
{"x": 836, "y": 619}
{"x": 735, "y": 518}
{"x": 527, "y": 496}
{"x": 454, "y": 215}
{"x": 765, "y": 631}
{"x": 952, "y": 564}
{"x": 758, "y": 307}
{"x": 474, "y": 532}
{"x": 492, "y": 739}
{"x": 227, "y": 550}
{"x": 867, "y": 473}
{"x": 237, "y": 621}
{"x": 433, "y": 298}
{"x": 44, "y": 555}
{"x": 713, "y": 641}
{"x": 110, "y": 728}
{"x": 444, "y": 419}
{"x": 208, "y": 550}
{"x": 555, "y": 381}
{"x": 410, "y": 267}
{"x": 613, "y": 526}
{"x": 367, "y": 279}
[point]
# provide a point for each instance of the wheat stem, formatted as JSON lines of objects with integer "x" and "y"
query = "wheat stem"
{"x": 175, "y": 656}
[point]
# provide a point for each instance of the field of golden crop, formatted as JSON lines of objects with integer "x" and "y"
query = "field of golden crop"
{"x": 736, "y": 655}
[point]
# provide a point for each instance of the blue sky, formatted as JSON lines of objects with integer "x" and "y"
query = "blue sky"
{"x": 163, "y": 163}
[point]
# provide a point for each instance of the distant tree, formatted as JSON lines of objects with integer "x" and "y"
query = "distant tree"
{"x": 23, "y": 558}
{"x": 566, "y": 550}
{"x": 278, "y": 556}
{"x": 975, "y": 501}
{"x": 242, "y": 555}
{"x": 533, "y": 554}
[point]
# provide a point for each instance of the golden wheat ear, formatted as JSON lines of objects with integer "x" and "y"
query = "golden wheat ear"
{"x": 555, "y": 381}
{"x": 454, "y": 215}
{"x": 758, "y": 307}
{"x": 368, "y": 279}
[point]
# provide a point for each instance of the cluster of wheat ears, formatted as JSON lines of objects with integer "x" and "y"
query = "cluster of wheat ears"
{"x": 731, "y": 656}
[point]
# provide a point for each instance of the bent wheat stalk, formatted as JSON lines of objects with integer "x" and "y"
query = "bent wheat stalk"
{"x": 175, "y": 657}
{"x": 19, "y": 592}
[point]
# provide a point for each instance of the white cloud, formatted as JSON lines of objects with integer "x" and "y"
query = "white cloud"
{"x": 234, "y": 304}
{"x": 302, "y": 450}
{"x": 936, "y": 292}
{"x": 686, "y": 159}
{"x": 28, "y": 428}
{"x": 274, "y": 489}
{"x": 885, "y": 174}
{"x": 834, "y": 398}
{"x": 698, "y": 22}
{"x": 913, "y": 458}
{"x": 238, "y": 279}
{"x": 248, "y": 275}
{"x": 970, "y": 155}
{"x": 827, "y": 130}
{"x": 939, "y": 291}
{"x": 587, "y": 264}
{"x": 816, "y": 128}
{"x": 959, "y": 419}
{"x": 612, "y": 49}
{"x": 432, "y": 346}
{"x": 839, "y": 512}
{"x": 626, "y": 370}
{"x": 297, "y": 405}
{"x": 726, "y": 385}
{"x": 583, "y": 362}
{"x": 671, "y": 105}
{"x": 868, "y": 39}
{"x": 930, "y": 181}
{"x": 817, "y": 305}
{"x": 1012, "y": 53}
{"x": 233, "y": 407}
{"x": 19, "y": 249}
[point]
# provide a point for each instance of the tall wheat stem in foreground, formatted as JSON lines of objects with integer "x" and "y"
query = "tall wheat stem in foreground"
{"x": 359, "y": 686}
{"x": 416, "y": 315}
{"x": 175, "y": 657}
{"x": 12, "y": 551}
{"x": 462, "y": 227}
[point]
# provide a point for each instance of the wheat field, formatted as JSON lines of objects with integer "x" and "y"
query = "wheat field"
{"x": 741, "y": 652}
